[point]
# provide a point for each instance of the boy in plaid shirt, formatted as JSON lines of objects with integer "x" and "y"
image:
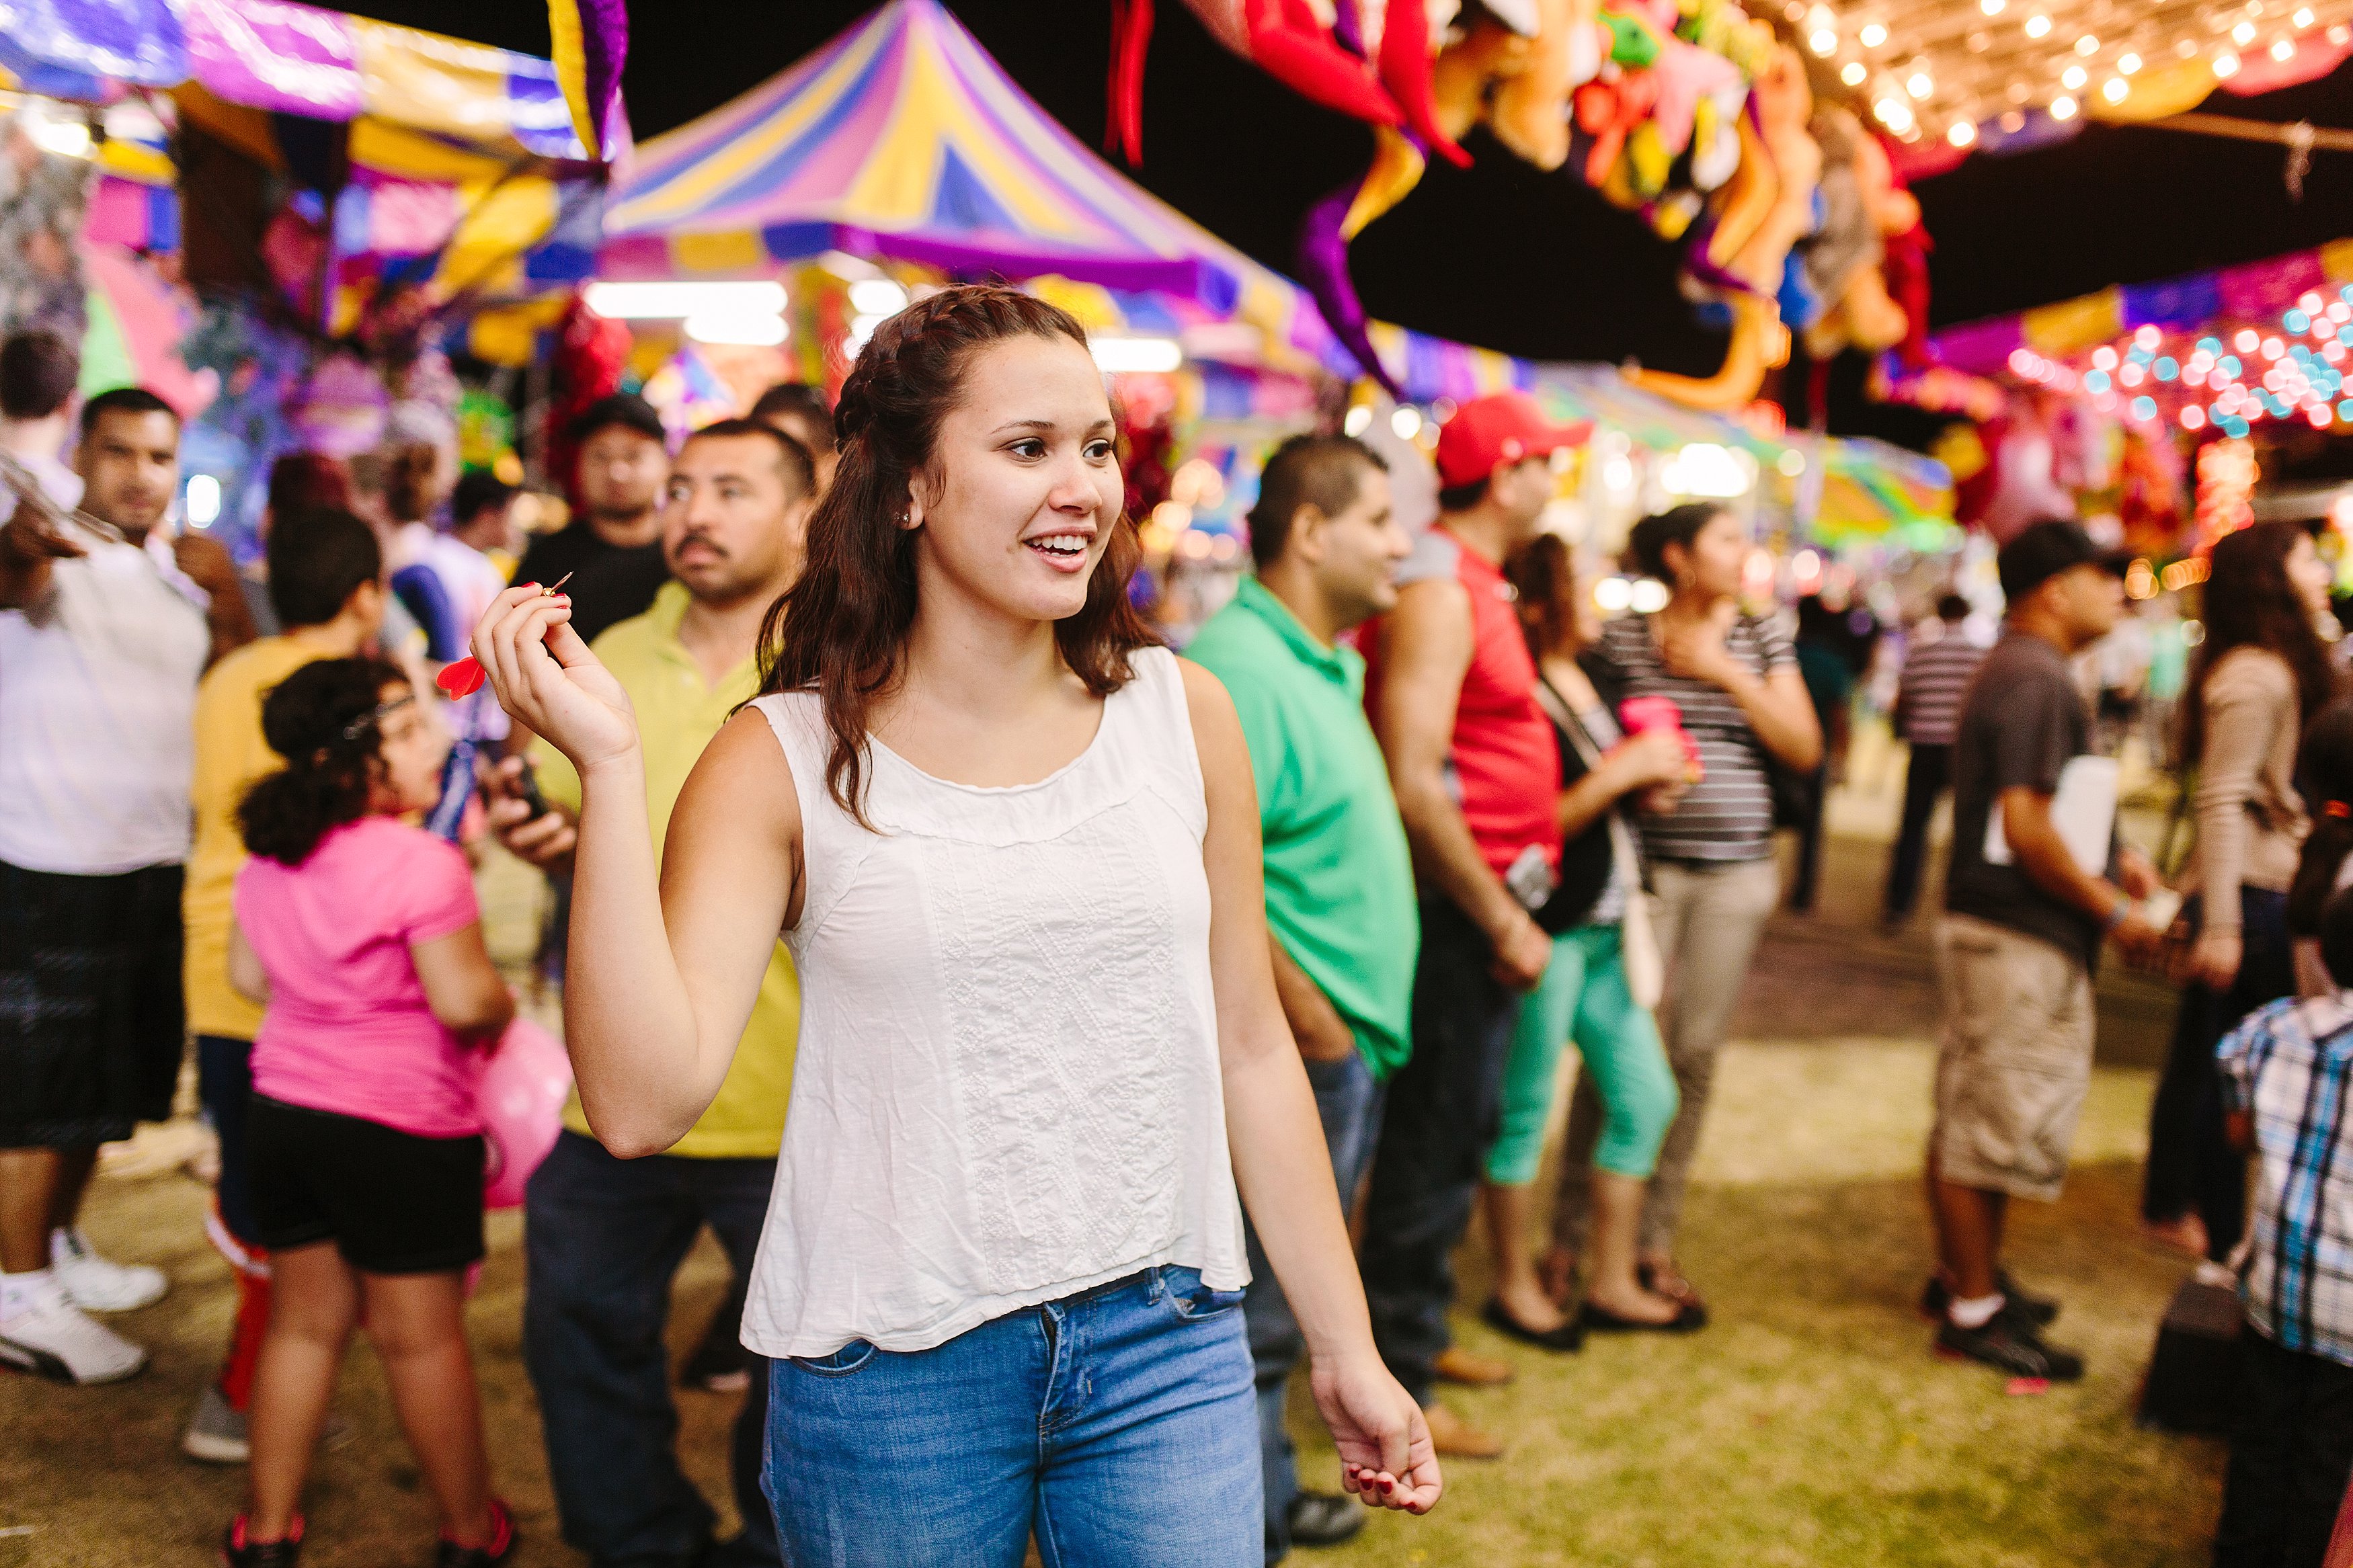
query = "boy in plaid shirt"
{"x": 2288, "y": 1073}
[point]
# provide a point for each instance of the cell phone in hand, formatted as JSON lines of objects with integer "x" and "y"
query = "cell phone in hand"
{"x": 525, "y": 788}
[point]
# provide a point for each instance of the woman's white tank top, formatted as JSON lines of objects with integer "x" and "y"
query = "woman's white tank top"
{"x": 1008, "y": 1084}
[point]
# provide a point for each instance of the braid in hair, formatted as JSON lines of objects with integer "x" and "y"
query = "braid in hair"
{"x": 842, "y": 630}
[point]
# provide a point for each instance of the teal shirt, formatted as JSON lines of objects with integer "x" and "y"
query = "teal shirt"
{"x": 1339, "y": 878}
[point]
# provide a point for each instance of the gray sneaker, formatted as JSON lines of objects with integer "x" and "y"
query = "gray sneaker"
{"x": 216, "y": 1434}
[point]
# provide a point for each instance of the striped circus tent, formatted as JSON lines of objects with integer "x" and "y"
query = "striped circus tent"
{"x": 903, "y": 139}
{"x": 276, "y": 57}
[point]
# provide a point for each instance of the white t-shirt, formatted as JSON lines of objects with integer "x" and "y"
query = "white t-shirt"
{"x": 98, "y": 697}
{"x": 1008, "y": 1086}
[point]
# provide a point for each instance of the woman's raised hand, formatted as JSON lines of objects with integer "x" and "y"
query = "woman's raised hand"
{"x": 546, "y": 677}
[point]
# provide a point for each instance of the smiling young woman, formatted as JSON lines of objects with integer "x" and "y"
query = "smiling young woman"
{"x": 1013, "y": 845}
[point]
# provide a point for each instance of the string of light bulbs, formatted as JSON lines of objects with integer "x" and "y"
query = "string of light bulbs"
{"x": 1956, "y": 69}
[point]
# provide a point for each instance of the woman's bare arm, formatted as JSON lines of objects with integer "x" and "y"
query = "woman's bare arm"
{"x": 245, "y": 972}
{"x": 1281, "y": 1160}
{"x": 461, "y": 985}
{"x": 667, "y": 946}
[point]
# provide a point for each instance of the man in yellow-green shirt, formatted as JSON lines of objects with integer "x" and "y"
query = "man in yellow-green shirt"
{"x": 325, "y": 584}
{"x": 604, "y": 1236}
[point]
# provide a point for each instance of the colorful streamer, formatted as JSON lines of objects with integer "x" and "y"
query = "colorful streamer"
{"x": 285, "y": 58}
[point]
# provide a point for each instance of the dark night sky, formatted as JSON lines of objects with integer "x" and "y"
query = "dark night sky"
{"x": 1500, "y": 254}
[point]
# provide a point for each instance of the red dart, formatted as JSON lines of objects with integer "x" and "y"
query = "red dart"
{"x": 465, "y": 676}
{"x": 462, "y": 678}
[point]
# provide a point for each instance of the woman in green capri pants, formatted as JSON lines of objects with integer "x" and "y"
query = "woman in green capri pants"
{"x": 1587, "y": 995}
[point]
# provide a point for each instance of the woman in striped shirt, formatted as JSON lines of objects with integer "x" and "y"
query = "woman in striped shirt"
{"x": 1712, "y": 877}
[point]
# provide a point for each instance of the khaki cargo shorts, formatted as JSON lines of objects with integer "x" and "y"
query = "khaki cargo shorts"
{"x": 2016, "y": 1061}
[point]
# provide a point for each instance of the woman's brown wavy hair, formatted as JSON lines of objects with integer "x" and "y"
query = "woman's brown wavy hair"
{"x": 842, "y": 630}
{"x": 2248, "y": 602}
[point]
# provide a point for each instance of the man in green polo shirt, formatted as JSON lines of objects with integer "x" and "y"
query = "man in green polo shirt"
{"x": 1339, "y": 879}
{"x": 604, "y": 1236}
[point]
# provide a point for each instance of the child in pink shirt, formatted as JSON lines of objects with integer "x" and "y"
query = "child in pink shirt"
{"x": 360, "y": 935}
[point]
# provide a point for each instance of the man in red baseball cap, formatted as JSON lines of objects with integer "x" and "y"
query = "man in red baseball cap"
{"x": 1451, "y": 689}
{"x": 1504, "y": 429}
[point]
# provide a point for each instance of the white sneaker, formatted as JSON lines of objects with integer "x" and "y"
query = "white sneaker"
{"x": 99, "y": 1284}
{"x": 54, "y": 1338}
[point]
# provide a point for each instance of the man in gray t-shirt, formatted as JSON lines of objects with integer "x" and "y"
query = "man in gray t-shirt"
{"x": 2016, "y": 947}
{"x": 2023, "y": 722}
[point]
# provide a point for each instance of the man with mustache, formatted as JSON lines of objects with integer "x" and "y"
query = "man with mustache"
{"x": 605, "y": 1236}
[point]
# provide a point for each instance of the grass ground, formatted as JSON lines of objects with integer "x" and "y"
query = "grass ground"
{"x": 1809, "y": 1427}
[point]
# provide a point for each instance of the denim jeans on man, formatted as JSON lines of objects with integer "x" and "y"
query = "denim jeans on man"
{"x": 1114, "y": 1425}
{"x": 1348, "y": 1100}
{"x": 1443, "y": 1112}
{"x": 603, "y": 1238}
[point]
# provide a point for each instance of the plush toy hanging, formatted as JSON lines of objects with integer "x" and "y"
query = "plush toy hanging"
{"x": 2041, "y": 453}
{"x": 1368, "y": 59}
{"x": 1478, "y": 77}
{"x": 1741, "y": 256}
{"x": 1759, "y": 343}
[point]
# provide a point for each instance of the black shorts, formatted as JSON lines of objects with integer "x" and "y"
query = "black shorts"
{"x": 93, "y": 1026}
{"x": 391, "y": 1201}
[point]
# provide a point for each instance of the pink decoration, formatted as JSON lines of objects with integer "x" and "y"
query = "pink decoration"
{"x": 2258, "y": 72}
{"x": 520, "y": 1095}
{"x": 295, "y": 59}
{"x": 153, "y": 324}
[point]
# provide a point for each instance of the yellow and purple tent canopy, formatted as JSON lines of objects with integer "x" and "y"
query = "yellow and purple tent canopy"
{"x": 903, "y": 139}
{"x": 279, "y": 58}
{"x": 455, "y": 165}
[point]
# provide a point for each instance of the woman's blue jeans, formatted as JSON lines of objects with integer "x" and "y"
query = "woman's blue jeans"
{"x": 1117, "y": 1425}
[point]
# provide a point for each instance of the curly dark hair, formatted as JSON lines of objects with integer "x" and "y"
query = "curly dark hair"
{"x": 2248, "y": 602}
{"x": 321, "y": 720}
{"x": 842, "y": 630}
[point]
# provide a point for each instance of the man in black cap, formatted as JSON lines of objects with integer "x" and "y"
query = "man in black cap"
{"x": 623, "y": 473}
{"x": 2038, "y": 879}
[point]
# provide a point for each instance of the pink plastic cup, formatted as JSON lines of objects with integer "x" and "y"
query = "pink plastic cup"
{"x": 1638, "y": 714}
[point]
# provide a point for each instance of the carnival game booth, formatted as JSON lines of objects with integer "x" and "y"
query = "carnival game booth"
{"x": 277, "y": 213}
{"x": 2173, "y": 407}
{"x": 765, "y": 239}
{"x": 903, "y": 145}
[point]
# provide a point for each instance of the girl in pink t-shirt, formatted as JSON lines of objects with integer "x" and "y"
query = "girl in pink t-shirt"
{"x": 360, "y": 935}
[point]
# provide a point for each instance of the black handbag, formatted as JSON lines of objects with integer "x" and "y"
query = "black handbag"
{"x": 1795, "y": 793}
{"x": 1587, "y": 860}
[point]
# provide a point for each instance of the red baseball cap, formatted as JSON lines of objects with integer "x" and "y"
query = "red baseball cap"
{"x": 1501, "y": 428}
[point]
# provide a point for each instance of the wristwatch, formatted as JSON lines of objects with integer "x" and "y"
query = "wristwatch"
{"x": 2116, "y": 913}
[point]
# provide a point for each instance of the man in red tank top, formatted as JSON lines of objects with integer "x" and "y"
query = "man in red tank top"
{"x": 1452, "y": 690}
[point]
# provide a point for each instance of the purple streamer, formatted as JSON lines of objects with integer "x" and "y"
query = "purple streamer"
{"x": 604, "y": 50}
{"x": 1324, "y": 269}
